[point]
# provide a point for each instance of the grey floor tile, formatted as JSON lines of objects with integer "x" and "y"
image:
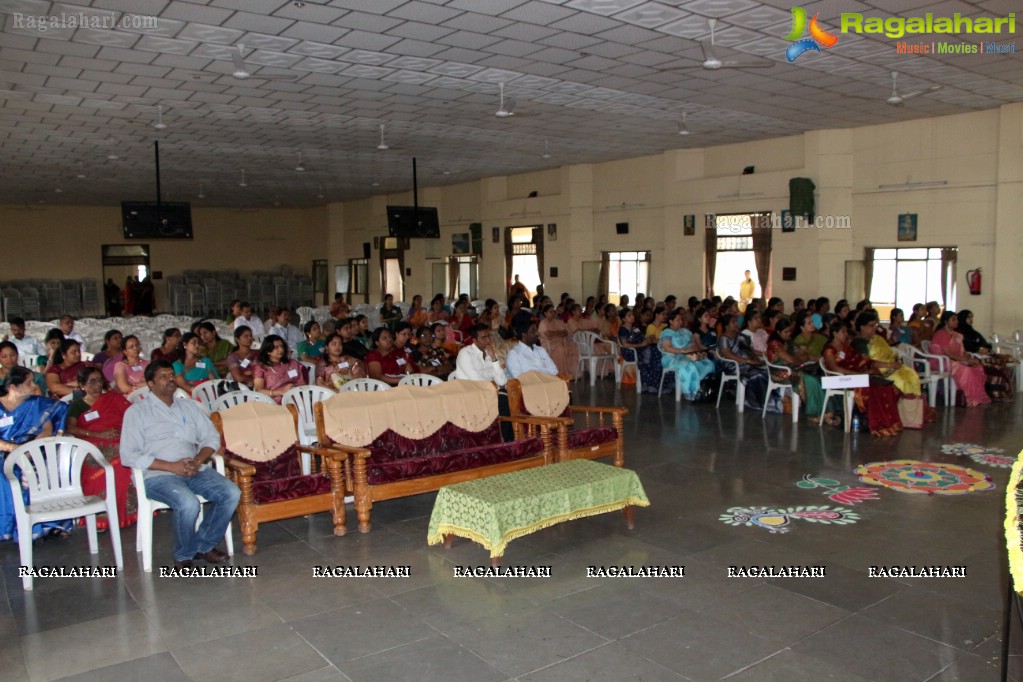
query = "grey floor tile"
{"x": 612, "y": 662}
{"x": 614, "y": 611}
{"x": 526, "y": 641}
{"x": 436, "y": 659}
{"x": 362, "y": 630}
{"x": 972, "y": 668}
{"x": 191, "y": 620}
{"x": 777, "y": 614}
{"x": 160, "y": 667}
{"x": 789, "y": 666}
{"x": 271, "y": 654}
{"x": 851, "y": 643}
{"x": 946, "y": 619}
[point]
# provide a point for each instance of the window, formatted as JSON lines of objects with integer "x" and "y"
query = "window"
{"x": 734, "y": 255}
{"x": 466, "y": 272}
{"x": 904, "y": 277}
{"x": 628, "y": 274}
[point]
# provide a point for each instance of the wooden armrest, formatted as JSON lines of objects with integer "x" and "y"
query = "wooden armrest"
{"x": 537, "y": 421}
{"x": 621, "y": 411}
{"x": 330, "y": 451}
{"x": 240, "y": 467}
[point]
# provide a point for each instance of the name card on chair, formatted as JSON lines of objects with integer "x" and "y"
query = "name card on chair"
{"x": 841, "y": 381}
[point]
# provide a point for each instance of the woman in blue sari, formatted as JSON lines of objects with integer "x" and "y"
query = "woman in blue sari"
{"x": 683, "y": 354}
{"x": 26, "y": 415}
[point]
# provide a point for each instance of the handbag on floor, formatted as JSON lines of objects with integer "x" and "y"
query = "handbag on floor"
{"x": 911, "y": 411}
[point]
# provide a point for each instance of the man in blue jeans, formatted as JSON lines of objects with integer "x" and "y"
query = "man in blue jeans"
{"x": 171, "y": 441}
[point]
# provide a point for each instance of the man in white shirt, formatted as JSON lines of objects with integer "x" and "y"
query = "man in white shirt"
{"x": 289, "y": 332}
{"x": 67, "y": 326}
{"x": 251, "y": 321}
{"x": 528, "y": 355}
{"x": 478, "y": 361}
{"x": 27, "y": 345}
{"x": 171, "y": 440}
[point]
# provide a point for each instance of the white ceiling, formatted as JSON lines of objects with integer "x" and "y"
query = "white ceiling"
{"x": 601, "y": 80}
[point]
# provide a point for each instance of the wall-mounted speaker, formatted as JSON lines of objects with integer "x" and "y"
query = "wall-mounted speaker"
{"x": 367, "y": 250}
{"x": 622, "y": 228}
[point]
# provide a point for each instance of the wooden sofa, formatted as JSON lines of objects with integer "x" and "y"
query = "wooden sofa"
{"x": 583, "y": 432}
{"x": 411, "y": 440}
{"x": 260, "y": 445}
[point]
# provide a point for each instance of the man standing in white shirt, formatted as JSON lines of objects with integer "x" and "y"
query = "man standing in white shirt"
{"x": 527, "y": 355}
{"x": 478, "y": 361}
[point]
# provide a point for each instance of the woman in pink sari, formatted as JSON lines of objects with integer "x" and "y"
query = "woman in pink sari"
{"x": 967, "y": 371}
{"x": 556, "y": 340}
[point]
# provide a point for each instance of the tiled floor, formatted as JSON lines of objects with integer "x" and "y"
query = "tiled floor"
{"x": 695, "y": 463}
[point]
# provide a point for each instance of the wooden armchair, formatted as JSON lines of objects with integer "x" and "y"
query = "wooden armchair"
{"x": 583, "y": 432}
{"x": 264, "y": 458}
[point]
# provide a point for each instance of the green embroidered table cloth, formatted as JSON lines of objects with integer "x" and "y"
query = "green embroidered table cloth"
{"x": 495, "y": 510}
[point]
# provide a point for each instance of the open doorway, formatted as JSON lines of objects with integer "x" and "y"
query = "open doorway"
{"x": 523, "y": 248}
{"x": 125, "y": 271}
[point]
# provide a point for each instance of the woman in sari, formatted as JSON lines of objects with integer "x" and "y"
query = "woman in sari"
{"x": 129, "y": 372}
{"x": 636, "y": 345}
{"x": 754, "y": 330}
{"x": 461, "y": 321}
{"x": 967, "y": 371}
{"x": 556, "y": 340}
{"x": 1000, "y": 385}
{"x": 388, "y": 362}
{"x": 275, "y": 374}
{"x": 311, "y": 350}
{"x": 610, "y": 323}
{"x": 682, "y": 354}
{"x": 879, "y": 401}
{"x": 96, "y": 417}
{"x": 781, "y": 350}
{"x": 337, "y": 368}
{"x": 416, "y": 313}
{"x": 214, "y": 348}
{"x": 171, "y": 350}
{"x": 889, "y": 365}
{"x": 26, "y": 415}
{"x": 578, "y": 321}
{"x": 735, "y": 347}
{"x": 241, "y": 363}
{"x": 705, "y": 329}
{"x": 194, "y": 369}
{"x": 62, "y": 377}
{"x": 431, "y": 359}
{"x": 898, "y": 330}
{"x": 110, "y": 352}
{"x": 9, "y": 360}
{"x": 491, "y": 315}
{"x": 437, "y": 312}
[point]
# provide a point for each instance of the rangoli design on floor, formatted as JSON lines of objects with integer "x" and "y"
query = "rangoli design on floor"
{"x": 836, "y": 491}
{"x": 980, "y": 454}
{"x": 911, "y": 476}
{"x": 777, "y": 520}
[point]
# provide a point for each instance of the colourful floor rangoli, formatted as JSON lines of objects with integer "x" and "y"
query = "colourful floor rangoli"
{"x": 836, "y": 491}
{"x": 910, "y": 476}
{"x": 980, "y": 454}
{"x": 777, "y": 520}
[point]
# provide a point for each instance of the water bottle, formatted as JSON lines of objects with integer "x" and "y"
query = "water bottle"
{"x": 856, "y": 422}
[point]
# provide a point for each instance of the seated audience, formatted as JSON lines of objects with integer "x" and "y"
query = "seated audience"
{"x": 311, "y": 348}
{"x": 390, "y": 314}
{"x": 130, "y": 370}
{"x": 967, "y": 371}
{"x": 275, "y": 374}
{"x": 337, "y": 367}
{"x": 241, "y": 363}
{"x": 194, "y": 368}
{"x": 214, "y": 348}
{"x": 431, "y": 359}
{"x": 67, "y": 327}
{"x": 636, "y": 346}
{"x": 527, "y": 355}
{"x": 805, "y": 375}
{"x": 388, "y": 361}
{"x": 416, "y": 313}
{"x": 1000, "y": 381}
{"x": 557, "y": 341}
{"x": 879, "y": 401}
{"x": 283, "y": 328}
{"x": 752, "y": 373}
{"x": 250, "y": 320}
{"x": 682, "y": 353}
{"x": 62, "y": 376}
{"x": 27, "y": 345}
{"x": 477, "y": 361}
{"x": 171, "y": 349}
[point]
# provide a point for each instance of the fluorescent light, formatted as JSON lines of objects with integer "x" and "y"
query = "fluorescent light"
{"x": 916, "y": 185}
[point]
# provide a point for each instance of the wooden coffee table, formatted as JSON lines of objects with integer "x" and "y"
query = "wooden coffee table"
{"x": 495, "y": 510}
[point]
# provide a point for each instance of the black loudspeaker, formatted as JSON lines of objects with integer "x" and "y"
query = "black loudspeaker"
{"x": 748, "y": 170}
{"x": 622, "y": 228}
{"x": 366, "y": 249}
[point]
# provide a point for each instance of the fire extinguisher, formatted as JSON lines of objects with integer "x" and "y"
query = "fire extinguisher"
{"x": 973, "y": 281}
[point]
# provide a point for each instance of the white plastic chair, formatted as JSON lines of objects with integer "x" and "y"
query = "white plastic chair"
{"x": 303, "y": 398}
{"x": 781, "y": 387}
{"x": 146, "y": 507}
{"x": 920, "y": 361}
{"x": 419, "y": 380}
{"x": 674, "y": 376}
{"x": 310, "y": 371}
{"x": 205, "y": 393}
{"x": 68, "y": 398}
{"x": 733, "y": 375}
{"x": 847, "y": 395}
{"x": 365, "y": 385}
{"x": 140, "y": 393}
{"x": 28, "y": 361}
{"x": 233, "y": 398}
{"x": 51, "y": 469}
{"x": 589, "y": 359}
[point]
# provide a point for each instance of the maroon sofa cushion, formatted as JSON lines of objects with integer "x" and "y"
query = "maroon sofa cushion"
{"x": 588, "y": 438}
{"x": 281, "y": 478}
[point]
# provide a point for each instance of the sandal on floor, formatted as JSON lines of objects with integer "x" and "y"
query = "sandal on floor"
{"x": 832, "y": 420}
{"x": 58, "y": 533}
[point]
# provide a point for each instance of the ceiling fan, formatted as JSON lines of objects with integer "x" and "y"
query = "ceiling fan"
{"x": 507, "y": 106}
{"x": 897, "y": 100}
{"x": 683, "y": 126}
{"x": 712, "y": 62}
{"x": 241, "y": 70}
{"x": 383, "y": 145}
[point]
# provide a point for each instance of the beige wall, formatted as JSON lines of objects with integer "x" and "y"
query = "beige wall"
{"x": 64, "y": 242}
{"x": 980, "y": 155}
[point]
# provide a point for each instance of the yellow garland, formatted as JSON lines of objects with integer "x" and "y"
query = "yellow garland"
{"x": 1012, "y": 531}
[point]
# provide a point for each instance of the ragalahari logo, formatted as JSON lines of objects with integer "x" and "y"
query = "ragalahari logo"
{"x": 818, "y": 36}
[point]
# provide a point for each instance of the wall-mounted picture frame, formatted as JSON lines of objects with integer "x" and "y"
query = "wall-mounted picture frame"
{"x": 495, "y": 234}
{"x": 460, "y": 243}
{"x": 552, "y": 232}
{"x": 907, "y": 227}
{"x": 788, "y": 221}
{"x": 788, "y": 274}
{"x": 689, "y": 225}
